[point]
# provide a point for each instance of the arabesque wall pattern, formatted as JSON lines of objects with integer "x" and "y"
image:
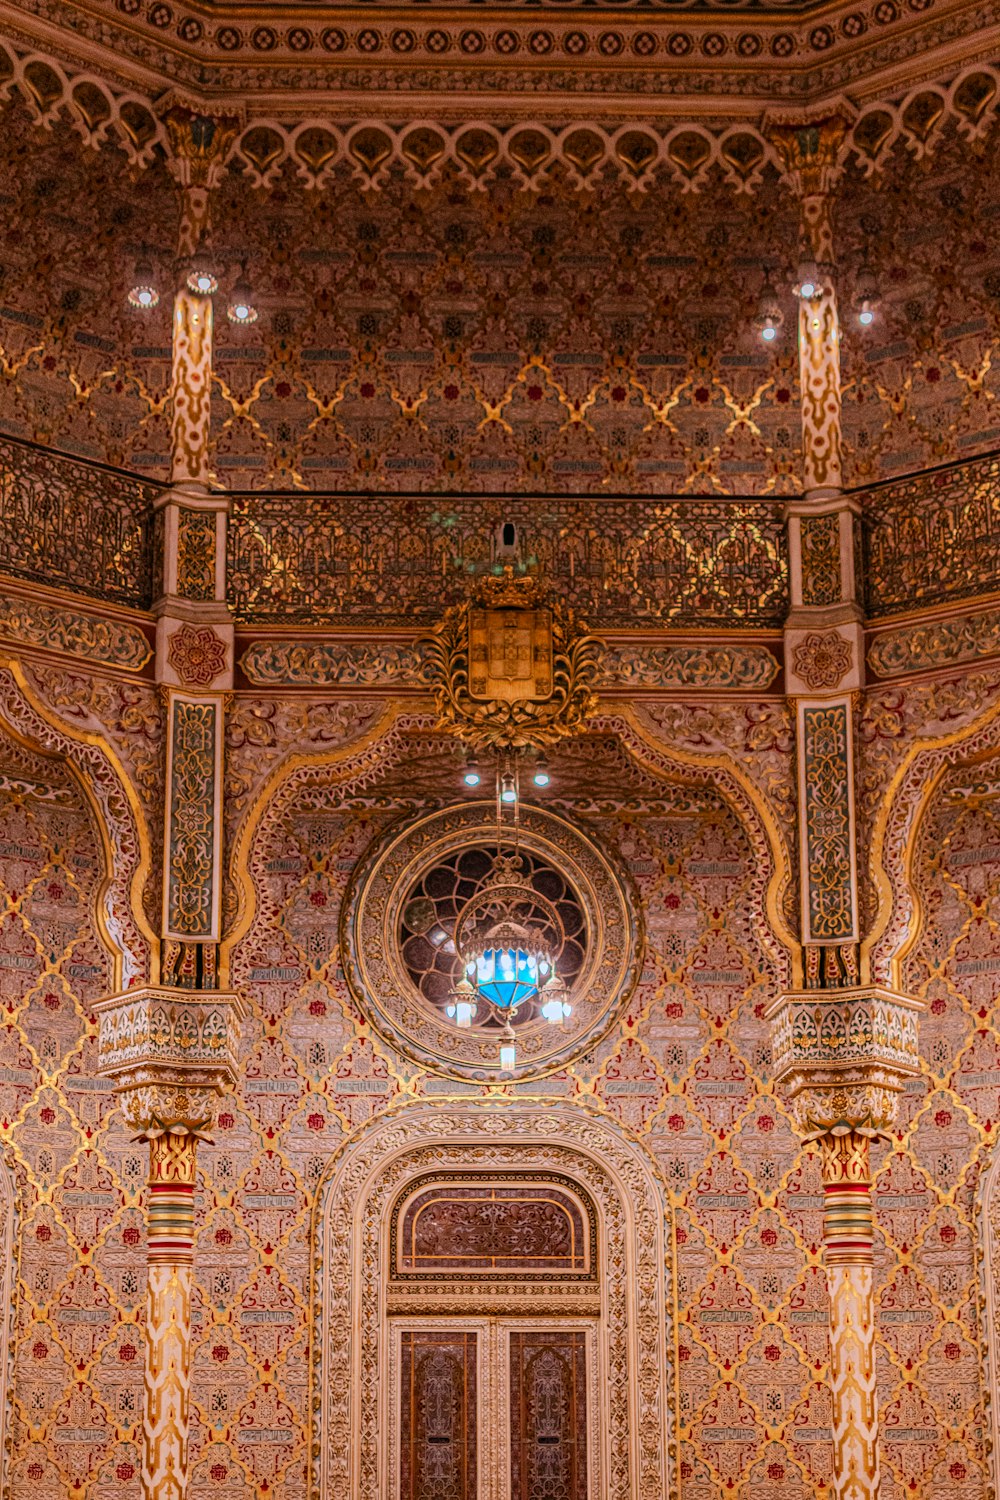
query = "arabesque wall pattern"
{"x": 686, "y": 1071}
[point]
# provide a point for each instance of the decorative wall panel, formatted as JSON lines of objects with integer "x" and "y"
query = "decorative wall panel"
{"x": 826, "y": 759}
{"x": 927, "y": 1287}
{"x": 548, "y": 1415}
{"x": 482, "y": 1227}
{"x": 687, "y": 1069}
{"x": 77, "y": 1397}
{"x": 194, "y": 773}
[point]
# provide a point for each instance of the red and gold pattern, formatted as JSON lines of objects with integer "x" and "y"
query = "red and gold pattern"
{"x": 167, "y": 1373}
{"x": 848, "y": 1238}
{"x": 684, "y": 1072}
{"x": 455, "y": 392}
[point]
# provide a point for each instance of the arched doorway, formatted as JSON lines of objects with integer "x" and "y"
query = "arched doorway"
{"x": 510, "y": 1371}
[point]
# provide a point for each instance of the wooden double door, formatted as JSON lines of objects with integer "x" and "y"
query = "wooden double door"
{"x": 493, "y": 1408}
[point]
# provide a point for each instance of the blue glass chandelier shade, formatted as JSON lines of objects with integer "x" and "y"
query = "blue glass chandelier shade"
{"x": 507, "y": 977}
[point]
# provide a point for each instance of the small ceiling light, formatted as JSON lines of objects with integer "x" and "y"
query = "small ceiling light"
{"x": 541, "y": 775}
{"x": 143, "y": 293}
{"x": 808, "y": 283}
{"x": 241, "y": 308}
{"x": 866, "y": 297}
{"x": 200, "y": 276}
{"x": 769, "y": 314}
{"x": 508, "y": 789}
{"x": 472, "y": 775}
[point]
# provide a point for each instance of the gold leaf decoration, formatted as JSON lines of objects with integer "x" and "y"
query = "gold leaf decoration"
{"x": 546, "y": 677}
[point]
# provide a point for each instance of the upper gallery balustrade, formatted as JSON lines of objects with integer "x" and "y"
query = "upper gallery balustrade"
{"x": 398, "y": 560}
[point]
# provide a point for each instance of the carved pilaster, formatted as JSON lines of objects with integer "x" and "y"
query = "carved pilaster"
{"x": 194, "y": 629}
{"x": 827, "y": 852}
{"x": 824, "y": 670}
{"x": 171, "y": 1055}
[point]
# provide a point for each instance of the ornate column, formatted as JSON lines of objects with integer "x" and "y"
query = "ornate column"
{"x": 194, "y": 632}
{"x": 198, "y": 146}
{"x": 809, "y": 150}
{"x": 843, "y": 1047}
{"x": 170, "y": 1055}
{"x": 171, "y": 1047}
{"x": 842, "y": 1059}
{"x": 824, "y": 655}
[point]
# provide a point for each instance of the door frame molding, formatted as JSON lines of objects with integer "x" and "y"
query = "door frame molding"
{"x": 350, "y": 1280}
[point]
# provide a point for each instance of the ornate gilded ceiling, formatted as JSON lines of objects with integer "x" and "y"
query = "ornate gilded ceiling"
{"x": 550, "y": 65}
{"x": 492, "y": 340}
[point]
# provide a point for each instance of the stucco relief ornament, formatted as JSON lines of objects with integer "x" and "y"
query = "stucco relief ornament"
{"x": 510, "y": 669}
{"x": 822, "y": 659}
{"x": 197, "y": 655}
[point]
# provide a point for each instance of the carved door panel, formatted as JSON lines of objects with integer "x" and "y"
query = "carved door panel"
{"x": 494, "y": 1408}
{"x": 438, "y": 1411}
{"x": 548, "y": 1414}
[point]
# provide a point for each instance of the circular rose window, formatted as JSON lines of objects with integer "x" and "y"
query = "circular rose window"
{"x": 437, "y": 902}
{"x": 407, "y": 917}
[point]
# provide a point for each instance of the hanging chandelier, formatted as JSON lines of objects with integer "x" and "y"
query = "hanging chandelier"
{"x": 508, "y": 939}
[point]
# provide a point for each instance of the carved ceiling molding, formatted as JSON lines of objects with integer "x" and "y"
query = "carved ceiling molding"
{"x": 709, "y": 51}
{"x": 592, "y": 134}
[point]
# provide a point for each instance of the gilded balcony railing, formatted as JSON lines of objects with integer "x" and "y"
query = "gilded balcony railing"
{"x": 932, "y": 537}
{"x": 75, "y": 525}
{"x": 398, "y": 560}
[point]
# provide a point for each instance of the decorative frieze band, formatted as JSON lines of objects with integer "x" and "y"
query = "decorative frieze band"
{"x": 768, "y": 60}
{"x": 939, "y": 643}
{"x": 28, "y": 622}
{"x": 641, "y": 667}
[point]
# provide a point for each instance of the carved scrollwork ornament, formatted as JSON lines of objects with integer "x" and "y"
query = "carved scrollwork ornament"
{"x": 157, "y": 1109}
{"x": 510, "y": 669}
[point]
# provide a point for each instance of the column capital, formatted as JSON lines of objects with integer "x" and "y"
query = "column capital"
{"x": 843, "y": 1056}
{"x": 809, "y": 146}
{"x": 170, "y": 1053}
{"x": 199, "y": 139}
